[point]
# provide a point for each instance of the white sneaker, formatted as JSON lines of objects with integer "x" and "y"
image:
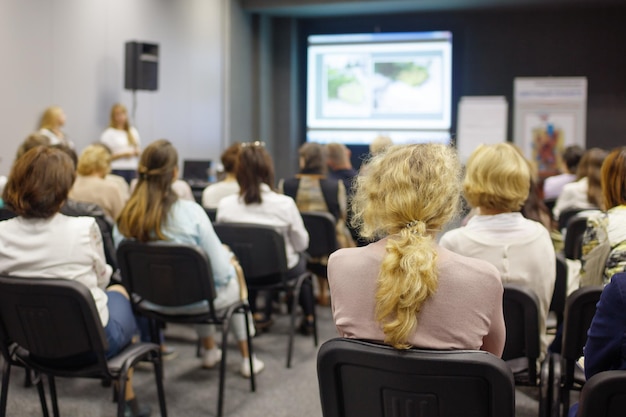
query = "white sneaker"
{"x": 257, "y": 364}
{"x": 210, "y": 357}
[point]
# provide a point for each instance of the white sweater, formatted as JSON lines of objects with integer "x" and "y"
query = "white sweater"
{"x": 521, "y": 249}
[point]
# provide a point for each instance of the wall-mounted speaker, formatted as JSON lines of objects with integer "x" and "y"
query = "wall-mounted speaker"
{"x": 142, "y": 66}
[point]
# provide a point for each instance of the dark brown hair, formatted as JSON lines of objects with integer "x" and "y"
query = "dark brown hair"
{"x": 255, "y": 168}
{"x": 39, "y": 183}
{"x": 230, "y": 157}
{"x": 614, "y": 178}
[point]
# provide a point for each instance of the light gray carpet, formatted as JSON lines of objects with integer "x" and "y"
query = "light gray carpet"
{"x": 192, "y": 391}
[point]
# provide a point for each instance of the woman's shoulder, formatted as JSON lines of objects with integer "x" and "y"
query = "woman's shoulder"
{"x": 466, "y": 266}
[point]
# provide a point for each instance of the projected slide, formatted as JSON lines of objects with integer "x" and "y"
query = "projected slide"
{"x": 379, "y": 81}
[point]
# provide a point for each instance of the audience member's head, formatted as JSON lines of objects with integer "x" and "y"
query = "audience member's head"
{"x": 52, "y": 118}
{"x": 312, "y": 158}
{"x": 613, "y": 175}
{"x": 230, "y": 157}
{"x": 146, "y": 211}
{"x": 497, "y": 178}
{"x": 379, "y": 144}
{"x": 69, "y": 151}
{"x": 338, "y": 156}
{"x": 33, "y": 140}
{"x": 596, "y": 157}
{"x": 39, "y": 183}
{"x": 407, "y": 193}
{"x": 255, "y": 168}
{"x": 94, "y": 160}
{"x": 571, "y": 157}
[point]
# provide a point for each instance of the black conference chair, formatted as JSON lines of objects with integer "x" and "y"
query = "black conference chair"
{"x": 576, "y": 227}
{"x": 604, "y": 395}
{"x": 322, "y": 240}
{"x": 579, "y": 311}
{"x": 52, "y": 327}
{"x": 567, "y": 214}
{"x": 174, "y": 275}
{"x": 522, "y": 345}
{"x": 6, "y": 214}
{"x": 365, "y": 379}
{"x": 559, "y": 295}
{"x": 261, "y": 253}
{"x": 212, "y": 213}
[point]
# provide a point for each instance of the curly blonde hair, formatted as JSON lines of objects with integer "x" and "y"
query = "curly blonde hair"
{"x": 408, "y": 192}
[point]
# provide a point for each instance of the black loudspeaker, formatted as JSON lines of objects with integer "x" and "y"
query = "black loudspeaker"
{"x": 142, "y": 66}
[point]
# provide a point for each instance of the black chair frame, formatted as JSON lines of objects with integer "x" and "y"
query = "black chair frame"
{"x": 52, "y": 327}
{"x": 367, "y": 379}
{"x": 604, "y": 395}
{"x": 261, "y": 254}
{"x": 579, "y": 311}
{"x": 175, "y": 275}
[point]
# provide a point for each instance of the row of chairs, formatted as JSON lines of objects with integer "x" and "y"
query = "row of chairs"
{"x": 359, "y": 378}
{"x": 365, "y": 378}
{"x": 159, "y": 273}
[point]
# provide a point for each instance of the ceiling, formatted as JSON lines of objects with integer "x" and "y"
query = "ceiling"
{"x": 313, "y": 8}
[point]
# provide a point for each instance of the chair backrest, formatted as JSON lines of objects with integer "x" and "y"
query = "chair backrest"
{"x": 260, "y": 250}
{"x": 559, "y": 295}
{"x": 167, "y": 274}
{"x": 212, "y": 213}
{"x": 567, "y": 214}
{"x": 54, "y": 320}
{"x": 580, "y": 308}
{"x": 521, "y": 317}
{"x": 603, "y": 395}
{"x": 364, "y": 379}
{"x": 6, "y": 214}
{"x": 322, "y": 236}
{"x": 576, "y": 227}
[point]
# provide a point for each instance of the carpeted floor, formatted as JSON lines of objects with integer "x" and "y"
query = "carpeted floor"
{"x": 192, "y": 391}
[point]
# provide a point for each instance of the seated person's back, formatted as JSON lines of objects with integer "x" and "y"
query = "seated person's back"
{"x": 405, "y": 289}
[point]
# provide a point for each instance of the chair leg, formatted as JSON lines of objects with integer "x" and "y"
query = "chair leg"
{"x": 292, "y": 322}
{"x": 246, "y": 311}
{"x": 121, "y": 391}
{"x": 6, "y": 373}
{"x": 225, "y": 330}
{"x": 53, "y": 396}
{"x": 158, "y": 375}
{"x": 42, "y": 396}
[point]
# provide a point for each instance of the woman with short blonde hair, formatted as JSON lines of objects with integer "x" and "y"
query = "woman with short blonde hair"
{"x": 404, "y": 289}
{"x": 50, "y": 124}
{"x": 496, "y": 184}
{"x": 91, "y": 186}
{"x": 497, "y": 178}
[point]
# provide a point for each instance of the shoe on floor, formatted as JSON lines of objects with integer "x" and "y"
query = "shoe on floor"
{"x": 210, "y": 357}
{"x": 257, "y": 364}
{"x": 307, "y": 327}
{"x": 142, "y": 410}
{"x": 168, "y": 353}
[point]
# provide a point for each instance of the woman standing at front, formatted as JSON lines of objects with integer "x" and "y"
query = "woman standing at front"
{"x": 123, "y": 141}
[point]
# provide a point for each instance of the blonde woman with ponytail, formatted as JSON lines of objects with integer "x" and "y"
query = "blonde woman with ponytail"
{"x": 404, "y": 289}
{"x": 123, "y": 141}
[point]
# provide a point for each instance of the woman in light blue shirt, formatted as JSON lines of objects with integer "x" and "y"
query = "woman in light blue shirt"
{"x": 154, "y": 212}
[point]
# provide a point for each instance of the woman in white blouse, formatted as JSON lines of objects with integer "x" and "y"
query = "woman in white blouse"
{"x": 42, "y": 242}
{"x": 258, "y": 203}
{"x": 123, "y": 141}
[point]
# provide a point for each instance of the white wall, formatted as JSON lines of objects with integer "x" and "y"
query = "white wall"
{"x": 71, "y": 53}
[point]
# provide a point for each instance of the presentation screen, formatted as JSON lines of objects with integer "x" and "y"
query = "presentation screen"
{"x": 360, "y": 86}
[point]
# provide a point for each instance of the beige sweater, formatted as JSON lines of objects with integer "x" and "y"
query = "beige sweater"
{"x": 96, "y": 190}
{"x": 464, "y": 313}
